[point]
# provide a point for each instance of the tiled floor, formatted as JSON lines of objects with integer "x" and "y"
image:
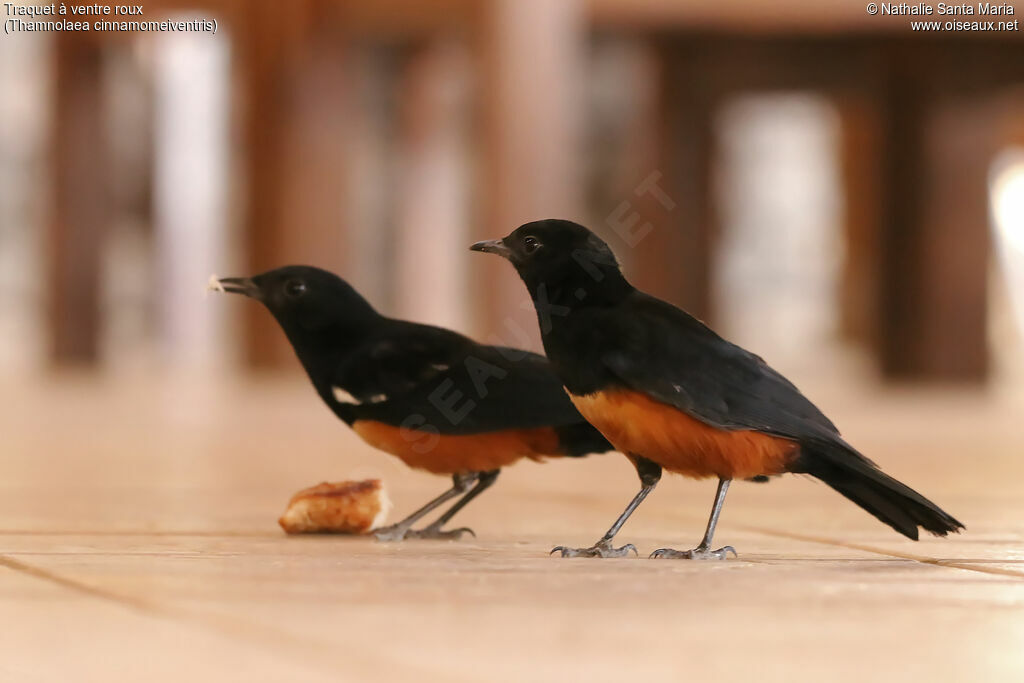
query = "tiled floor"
{"x": 138, "y": 542}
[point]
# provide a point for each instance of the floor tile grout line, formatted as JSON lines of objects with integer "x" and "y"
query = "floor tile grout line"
{"x": 6, "y": 560}
{"x": 252, "y": 632}
{"x": 44, "y": 575}
{"x": 922, "y": 559}
{"x": 203, "y": 619}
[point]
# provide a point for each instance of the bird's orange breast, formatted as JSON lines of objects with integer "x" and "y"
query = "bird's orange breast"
{"x": 638, "y": 425}
{"x": 449, "y": 454}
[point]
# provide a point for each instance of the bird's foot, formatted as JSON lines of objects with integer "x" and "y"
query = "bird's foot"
{"x": 602, "y": 548}
{"x": 437, "y": 534}
{"x": 393, "y": 533}
{"x": 401, "y": 532}
{"x": 698, "y": 553}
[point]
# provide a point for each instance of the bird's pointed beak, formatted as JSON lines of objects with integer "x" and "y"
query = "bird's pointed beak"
{"x": 236, "y": 285}
{"x": 493, "y": 247}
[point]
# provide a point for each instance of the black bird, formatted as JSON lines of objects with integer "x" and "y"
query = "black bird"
{"x": 436, "y": 399}
{"x": 670, "y": 393}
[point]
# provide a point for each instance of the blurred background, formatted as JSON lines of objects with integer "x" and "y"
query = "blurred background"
{"x": 836, "y": 192}
{"x": 809, "y": 182}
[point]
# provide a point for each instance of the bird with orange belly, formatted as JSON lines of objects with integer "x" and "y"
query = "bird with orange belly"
{"x": 437, "y": 400}
{"x": 670, "y": 393}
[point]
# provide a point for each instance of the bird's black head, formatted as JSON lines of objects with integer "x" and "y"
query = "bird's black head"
{"x": 306, "y": 301}
{"x": 573, "y": 265}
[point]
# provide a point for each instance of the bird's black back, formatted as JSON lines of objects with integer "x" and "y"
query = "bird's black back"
{"x": 420, "y": 376}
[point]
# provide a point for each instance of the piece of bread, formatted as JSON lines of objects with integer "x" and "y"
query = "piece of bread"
{"x": 347, "y": 507}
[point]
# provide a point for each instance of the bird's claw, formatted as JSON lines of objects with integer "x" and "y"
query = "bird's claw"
{"x": 399, "y": 532}
{"x": 697, "y": 553}
{"x": 599, "y": 549}
{"x": 393, "y": 533}
{"x": 439, "y": 535}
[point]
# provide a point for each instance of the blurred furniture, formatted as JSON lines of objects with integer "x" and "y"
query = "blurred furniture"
{"x": 921, "y": 116}
{"x": 921, "y": 121}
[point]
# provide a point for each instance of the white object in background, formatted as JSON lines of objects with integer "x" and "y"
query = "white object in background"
{"x": 25, "y": 100}
{"x": 1007, "y": 201}
{"x": 780, "y": 200}
{"x": 191, "y": 85}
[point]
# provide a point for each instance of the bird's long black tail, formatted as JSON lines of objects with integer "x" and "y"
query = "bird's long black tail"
{"x": 857, "y": 478}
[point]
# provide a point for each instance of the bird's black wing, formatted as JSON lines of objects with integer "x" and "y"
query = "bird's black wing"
{"x": 667, "y": 354}
{"x": 420, "y": 377}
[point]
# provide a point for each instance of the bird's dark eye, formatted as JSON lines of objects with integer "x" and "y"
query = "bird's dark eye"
{"x": 295, "y": 288}
{"x": 530, "y": 244}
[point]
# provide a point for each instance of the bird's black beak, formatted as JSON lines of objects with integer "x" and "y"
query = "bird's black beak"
{"x": 493, "y": 247}
{"x": 239, "y": 285}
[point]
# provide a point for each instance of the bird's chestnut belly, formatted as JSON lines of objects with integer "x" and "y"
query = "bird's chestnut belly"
{"x": 638, "y": 425}
{"x": 453, "y": 453}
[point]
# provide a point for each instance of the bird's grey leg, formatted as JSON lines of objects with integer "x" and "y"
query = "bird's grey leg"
{"x": 434, "y": 531}
{"x": 397, "y": 532}
{"x": 650, "y": 473}
{"x": 703, "y": 551}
